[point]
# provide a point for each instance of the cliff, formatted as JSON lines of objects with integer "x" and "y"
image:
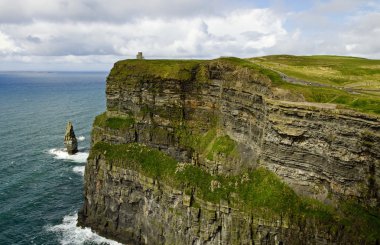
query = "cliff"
{"x": 204, "y": 152}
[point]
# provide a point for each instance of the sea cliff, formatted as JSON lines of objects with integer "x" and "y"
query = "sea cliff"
{"x": 206, "y": 152}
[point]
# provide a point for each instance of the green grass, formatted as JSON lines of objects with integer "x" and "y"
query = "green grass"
{"x": 264, "y": 189}
{"x": 367, "y": 221}
{"x": 164, "y": 69}
{"x": 208, "y": 144}
{"x": 130, "y": 72}
{"x": 206, "y": 139}
{"x": 338, "y": 71}
{"x": 122, "y": 122}
{"x": 333, "y": 70}
{"x": 344, "y": 72}
{"x": 186, "y": 137}
{"x": 265, "y": 72}
{"x": 259, "y": 191}
{"x": 222, "y": 145}
{"x": 358, "y": 102}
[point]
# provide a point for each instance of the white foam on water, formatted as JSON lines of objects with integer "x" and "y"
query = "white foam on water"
{"x": 81, "y": 138}
{"x": 79, "y": 170}
{"x": 80, "y": 157}
{"x": 70, "y": 233}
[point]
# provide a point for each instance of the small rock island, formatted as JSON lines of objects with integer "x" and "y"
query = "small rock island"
{"x": 70, "y": 141}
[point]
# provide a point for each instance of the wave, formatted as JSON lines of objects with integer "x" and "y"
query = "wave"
{"x": 80, "y": 157}
{"x": 81, "y": 138}
{"x": 79, "y": 170}
{"x": 69, "y": 233}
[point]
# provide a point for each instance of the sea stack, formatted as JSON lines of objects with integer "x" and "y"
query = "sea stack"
{"x": 71, "y": 142}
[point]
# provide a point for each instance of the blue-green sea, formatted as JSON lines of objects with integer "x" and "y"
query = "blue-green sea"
{"x": 41, "y": 186}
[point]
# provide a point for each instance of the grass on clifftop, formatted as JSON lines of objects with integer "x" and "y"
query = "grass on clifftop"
{"x": 358, "y": 102}
{"x": 273, "y": 76}
{"x": 164, "y": 69}
{"x": 331, "y": 70}
{"x": 336, "y": 72}
{"x": 259, "y": 190}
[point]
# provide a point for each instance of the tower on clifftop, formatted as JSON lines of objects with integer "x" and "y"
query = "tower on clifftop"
{"x": 139, "y": 56}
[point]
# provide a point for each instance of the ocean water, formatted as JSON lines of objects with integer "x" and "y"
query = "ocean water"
{"x": 41, "y": 186}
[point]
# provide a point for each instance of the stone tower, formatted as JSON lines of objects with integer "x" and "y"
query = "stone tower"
{"x": 139, "y": 56}
{"x": 70, "y": 141}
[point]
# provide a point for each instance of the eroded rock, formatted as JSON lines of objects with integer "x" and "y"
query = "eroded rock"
{"x": 70, "y": 140}
{"x": 320, "y": 151}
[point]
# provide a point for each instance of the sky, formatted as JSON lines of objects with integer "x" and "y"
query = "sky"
{"x": 91, "y": 35}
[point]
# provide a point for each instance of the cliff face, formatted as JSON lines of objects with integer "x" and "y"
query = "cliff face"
{"x": 135, "y": 209}
{"x": 221, "y": 118}
{"x": 322, "y": 152}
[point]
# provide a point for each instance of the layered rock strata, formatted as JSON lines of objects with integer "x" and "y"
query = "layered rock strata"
{"x": 134, "y": 209}
{"x": 320, "y": 151}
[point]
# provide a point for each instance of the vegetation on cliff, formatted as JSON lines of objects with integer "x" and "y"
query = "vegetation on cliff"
{"x": 221, "y": 119}
{"x": 208, "y": 144}
{"x": 350, "y": 72}
{"x": 114, "y": 122}
{"x": 259, "y": 191}
{"x": 165, "y": 69}
{"x": 347, "y": 81}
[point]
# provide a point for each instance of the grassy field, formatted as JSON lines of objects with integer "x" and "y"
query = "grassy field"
{"x": 347, "y": 81}
{"x": 348, "y": 72}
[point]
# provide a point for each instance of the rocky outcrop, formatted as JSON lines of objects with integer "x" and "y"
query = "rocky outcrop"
{"x": 321, "y": 151}
{"x": 70, "y": 140}
{"x": 135, "y": 209}
{"x": 221, "y": 117}
{"x": 324, "y": 153}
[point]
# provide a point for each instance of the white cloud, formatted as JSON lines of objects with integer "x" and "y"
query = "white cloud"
{"x": 58, "y": 63}
{"x": 350, "y": 47}
{"x": 7, "y": 46}
{"x": 361, "y": 36}
{"x": 182, "y": 37}
{"x": 68, "y": 32}
{"x": 120, "y": 11}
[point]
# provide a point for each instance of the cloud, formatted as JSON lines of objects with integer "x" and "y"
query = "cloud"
{"x": 111, "y": 11}
{"x": 33, "y": 39}
{"x": 362, "y": 35}
{"x": 7, "y": 45}
{"x": 337, "y": 6}
{"x": 158, "y": 37}
{"x": 67, "y": 32}
{"x": 333, "y": 27}
{"x": 58, "y": 63}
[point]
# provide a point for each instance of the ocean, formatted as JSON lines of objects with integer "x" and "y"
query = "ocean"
{"x": 41, "y": 186}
